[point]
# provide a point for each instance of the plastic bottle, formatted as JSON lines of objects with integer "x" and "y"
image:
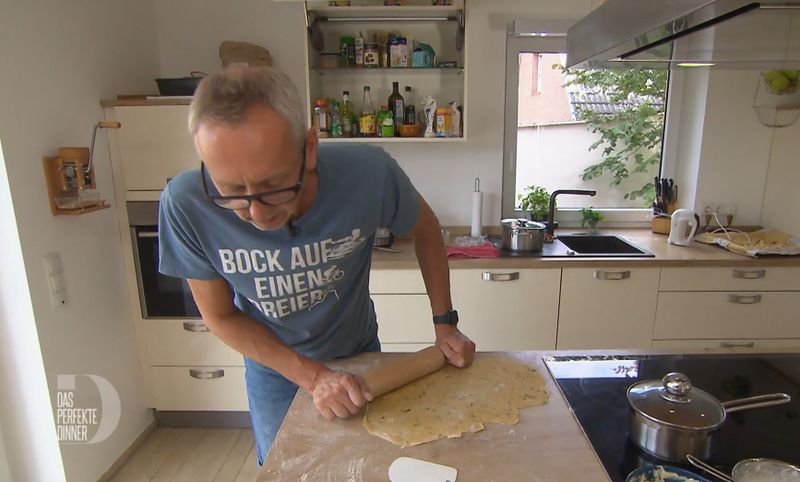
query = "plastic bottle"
{"x": 346, "y": 112}
{"x": 397, "y": 106}
{"x": 387, "y": 125}
{"x": 366, "y": 122}
{"x": 336, "y": 120}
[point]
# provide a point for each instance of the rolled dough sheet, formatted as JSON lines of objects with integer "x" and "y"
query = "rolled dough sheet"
{"x": 452, "y": 401}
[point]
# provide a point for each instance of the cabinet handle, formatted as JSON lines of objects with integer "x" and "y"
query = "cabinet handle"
{"x": 206, "y": 374}
{"x": 612, "y": 275}
{"x": 488, "y": 276}
{"x": 749, "y": 273}
{"x": 725, "y": 344}
{"x": 194, "y": 327}
{"x": 147, "y": 234}
{"x": 744, "y": 299}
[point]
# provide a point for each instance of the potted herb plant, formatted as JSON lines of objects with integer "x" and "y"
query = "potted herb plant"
{"x": 590, "y": 217}
{"x": 535, "y": 200}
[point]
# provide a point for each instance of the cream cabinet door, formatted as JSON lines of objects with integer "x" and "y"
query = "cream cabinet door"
{"x": 154, "y": 145}
{"x": 607, "y": 308}
{"x": 507, "y": 310}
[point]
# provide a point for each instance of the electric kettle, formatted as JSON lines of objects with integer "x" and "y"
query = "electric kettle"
{"x": 684, "y": 225}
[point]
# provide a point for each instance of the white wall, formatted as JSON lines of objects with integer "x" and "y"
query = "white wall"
{"x": 735, "y": 147}
{"x": 60, "y": 58}
{"x": 443, "y": 173}
{"x": 28, "y": 435}
{"x": 781, "y": 205}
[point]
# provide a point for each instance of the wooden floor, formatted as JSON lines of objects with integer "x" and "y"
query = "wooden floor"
{"x": 192, "y": 454}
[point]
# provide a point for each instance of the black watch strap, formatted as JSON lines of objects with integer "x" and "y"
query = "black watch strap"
{"x": 449, "y": 318}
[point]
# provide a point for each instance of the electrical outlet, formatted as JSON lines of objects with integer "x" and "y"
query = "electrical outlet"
{"x": 710, "y": 209}
{"x": 727, "y": 209}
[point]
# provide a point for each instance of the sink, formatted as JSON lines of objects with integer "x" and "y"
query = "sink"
{"x": 581, "y": 246}
{"x": 592, "y": 245}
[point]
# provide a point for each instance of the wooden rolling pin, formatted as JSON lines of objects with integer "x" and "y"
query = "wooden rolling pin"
{"x": 394, "y": 375}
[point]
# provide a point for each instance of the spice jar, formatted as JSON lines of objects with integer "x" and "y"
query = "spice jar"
{"x": 371, "y": 55}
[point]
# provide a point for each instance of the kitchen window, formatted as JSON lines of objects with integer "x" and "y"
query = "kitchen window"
{"x": 600, "y": 130}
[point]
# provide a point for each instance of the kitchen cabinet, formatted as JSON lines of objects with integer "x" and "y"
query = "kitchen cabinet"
{"x": 607, "y": 307}
{"x": 216, "y": 388}
{"x": 507, "y": 310}
{"x": 441, "y": 27}
{"x": 152, "y": 146}
{"x": 498, "y": 309}
{"x": 747, "y": 307}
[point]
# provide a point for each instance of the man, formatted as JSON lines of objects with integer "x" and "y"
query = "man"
{"x": 274, "y": 235}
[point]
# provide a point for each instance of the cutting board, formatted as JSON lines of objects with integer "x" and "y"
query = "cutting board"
{"x": 546, "y": 445}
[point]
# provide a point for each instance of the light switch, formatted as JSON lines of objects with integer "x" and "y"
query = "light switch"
{"x": 55, "y": 279}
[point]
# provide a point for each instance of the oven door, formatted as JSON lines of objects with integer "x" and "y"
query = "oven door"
{"x": 161, "y": 296}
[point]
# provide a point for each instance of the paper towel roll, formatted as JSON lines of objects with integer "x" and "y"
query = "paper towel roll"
{"x": 477, "y": 211}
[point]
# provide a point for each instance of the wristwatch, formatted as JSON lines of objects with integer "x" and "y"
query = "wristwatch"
{"x": 449, "y": 318}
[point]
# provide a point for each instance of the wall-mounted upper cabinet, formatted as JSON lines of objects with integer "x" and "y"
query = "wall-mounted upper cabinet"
{"x": 431, "y": 67}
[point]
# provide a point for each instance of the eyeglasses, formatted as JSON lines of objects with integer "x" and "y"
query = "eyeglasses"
{"x": 270, "y": 198}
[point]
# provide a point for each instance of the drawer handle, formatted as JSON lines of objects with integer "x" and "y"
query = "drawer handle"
{"x": 612, "y": 275}
{"x": 194, "y": 327}
{"x": 487, "y": 276}
{"x": 725, "y": 344}
{"x": 206, "y": 374}
{"x": 744, "y": 299}
{"x": 749, "y": 273}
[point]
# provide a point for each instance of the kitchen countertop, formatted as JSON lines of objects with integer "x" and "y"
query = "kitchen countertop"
{"x": 547, "y": 444}
{"x": 695, "y": 255}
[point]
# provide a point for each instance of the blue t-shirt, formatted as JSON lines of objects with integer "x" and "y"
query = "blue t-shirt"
{"x": 312, "y": 289}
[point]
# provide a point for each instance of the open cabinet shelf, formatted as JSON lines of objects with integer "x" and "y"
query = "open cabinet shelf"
{"x": 440, "y": 27}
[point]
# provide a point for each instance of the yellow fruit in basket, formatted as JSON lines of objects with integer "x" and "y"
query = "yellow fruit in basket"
{"x": 792, "y": 74}
{"x": 779, "y": 82}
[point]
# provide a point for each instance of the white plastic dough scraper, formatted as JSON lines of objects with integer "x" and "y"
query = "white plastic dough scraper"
{"x": 406, "y": 469}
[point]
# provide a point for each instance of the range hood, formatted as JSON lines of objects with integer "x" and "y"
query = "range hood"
{"x": 723, "y": 34}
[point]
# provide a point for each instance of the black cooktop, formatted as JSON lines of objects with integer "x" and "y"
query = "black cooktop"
{"x": 595, "y": 388}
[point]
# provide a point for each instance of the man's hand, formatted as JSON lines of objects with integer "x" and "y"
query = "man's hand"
{"x": 457, "y": 348}
{"x": 339, "y": 394}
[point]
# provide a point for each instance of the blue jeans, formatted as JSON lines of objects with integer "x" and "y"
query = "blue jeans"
{"x": 269, "y": 395}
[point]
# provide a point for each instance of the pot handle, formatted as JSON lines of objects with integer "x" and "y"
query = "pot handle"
{"x": 756, "y": 402}
{"x": 708, "y": 468}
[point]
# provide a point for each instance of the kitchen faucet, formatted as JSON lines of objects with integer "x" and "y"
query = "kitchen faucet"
{"x": 552, "y": 208}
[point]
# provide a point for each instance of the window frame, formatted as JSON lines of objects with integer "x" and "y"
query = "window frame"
{"x": 555, "y": 41}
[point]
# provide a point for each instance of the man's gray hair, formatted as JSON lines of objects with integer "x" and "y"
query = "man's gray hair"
{"x": 227, "y": 96}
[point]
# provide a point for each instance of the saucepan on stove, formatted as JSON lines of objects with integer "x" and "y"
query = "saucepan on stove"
{"x": 752, "y": 470}
{"x": 671, "y": 419}
{"x": 522, "y": 235}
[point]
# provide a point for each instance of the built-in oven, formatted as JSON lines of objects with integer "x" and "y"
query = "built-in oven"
{"x": 160, "y": 296}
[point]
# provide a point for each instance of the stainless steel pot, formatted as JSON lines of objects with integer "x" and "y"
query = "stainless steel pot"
{"x": 752, "y": 470}
{"x": 522, "y": 235}
{"x": 383, "y": 238}
{"x": 671, "y": 419}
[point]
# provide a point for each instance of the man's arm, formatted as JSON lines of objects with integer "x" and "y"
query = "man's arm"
{"x": 432, "y": 257}
{"x": 335, "y": 394}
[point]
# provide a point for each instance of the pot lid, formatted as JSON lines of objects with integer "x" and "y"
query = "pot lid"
{"x": 522, "y": 225}
{"x": 674, "y": 401}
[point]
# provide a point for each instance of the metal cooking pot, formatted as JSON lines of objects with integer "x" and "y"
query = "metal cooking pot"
{"x": 671, "y": 419}
{"x": 523, "y": 235}
{"x": 752, "y": 470}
